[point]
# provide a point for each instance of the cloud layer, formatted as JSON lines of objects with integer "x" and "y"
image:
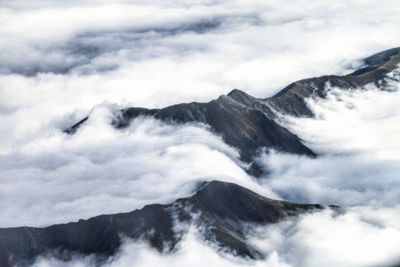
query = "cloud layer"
{"x": 60, "y": 60}
{"x": 189, "y": 51}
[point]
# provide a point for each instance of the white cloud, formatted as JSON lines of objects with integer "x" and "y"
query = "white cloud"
{"x": 360, "y": 237}
{"x": 258, "y": 46}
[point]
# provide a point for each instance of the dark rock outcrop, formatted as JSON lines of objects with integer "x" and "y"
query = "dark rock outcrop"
{"x": 224, "y": 210}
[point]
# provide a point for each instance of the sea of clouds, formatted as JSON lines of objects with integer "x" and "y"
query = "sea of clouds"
{"x": 62, "y": 60}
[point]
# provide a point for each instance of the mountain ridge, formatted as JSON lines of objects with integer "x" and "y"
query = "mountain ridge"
{"x": 251, "y": 124}
{"x": 223, "y": 210}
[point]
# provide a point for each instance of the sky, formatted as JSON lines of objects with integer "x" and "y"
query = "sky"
{"x": 62, "y": 60}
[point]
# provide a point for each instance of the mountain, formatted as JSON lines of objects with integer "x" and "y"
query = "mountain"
{"x": 249, "y": 124}
{"x": 224, "y": 210}
{"x": 245, "y": 122}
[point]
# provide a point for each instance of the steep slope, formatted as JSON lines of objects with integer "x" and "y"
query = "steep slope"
{"x": 224, "y": 210}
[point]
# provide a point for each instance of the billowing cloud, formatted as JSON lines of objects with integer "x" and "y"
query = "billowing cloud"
{"x": 360, "y": 237}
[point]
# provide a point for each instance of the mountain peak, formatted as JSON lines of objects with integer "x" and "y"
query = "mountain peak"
{"x": 236, "y": 92}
